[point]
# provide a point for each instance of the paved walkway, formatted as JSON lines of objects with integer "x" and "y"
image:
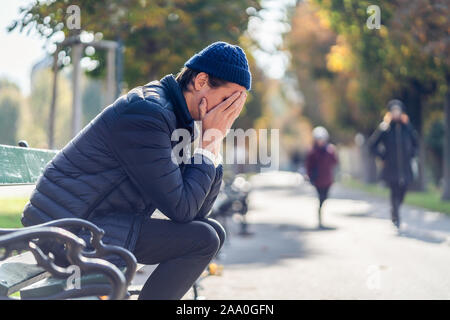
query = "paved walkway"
{"x": 360, "y": 256}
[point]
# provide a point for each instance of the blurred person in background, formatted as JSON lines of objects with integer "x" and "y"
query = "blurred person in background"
{"x": 320, "y": 163}
{"x": 395, "y": 142}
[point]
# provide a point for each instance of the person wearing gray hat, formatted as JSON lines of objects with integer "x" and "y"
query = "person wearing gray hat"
{"x": 396, "y": 143}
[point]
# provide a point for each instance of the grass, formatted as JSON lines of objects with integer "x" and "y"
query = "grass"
{"x": 430, "y": 199}
{"x": 11, "y": 211}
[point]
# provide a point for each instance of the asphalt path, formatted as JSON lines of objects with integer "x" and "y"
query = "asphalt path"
{"x": 359, "y": 256}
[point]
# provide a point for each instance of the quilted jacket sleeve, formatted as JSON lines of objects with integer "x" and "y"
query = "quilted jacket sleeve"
{"x": 140, "y": 139}
{"x": 212, "y": 195}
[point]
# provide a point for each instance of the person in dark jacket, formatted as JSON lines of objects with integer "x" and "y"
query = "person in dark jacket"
{"x": 120, "y": 168}
{"x": 396, "y": 143}
{"x": 320, "y": 163}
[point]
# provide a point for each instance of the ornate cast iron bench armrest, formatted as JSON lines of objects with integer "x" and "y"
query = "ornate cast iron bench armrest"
{"x": 101, "y": 250}
{"x": 88, "y": 263}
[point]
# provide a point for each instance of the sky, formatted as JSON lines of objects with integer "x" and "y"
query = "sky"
{"x": 19, "y": 52}
{"x": 268, "y": 32}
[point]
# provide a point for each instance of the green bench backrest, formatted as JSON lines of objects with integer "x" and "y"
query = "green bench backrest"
{"x": 22, "y": 165}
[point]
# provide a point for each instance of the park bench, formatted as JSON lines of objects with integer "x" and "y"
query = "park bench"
{"x": 233, "y": 199}
{"x": 34, "y": 273}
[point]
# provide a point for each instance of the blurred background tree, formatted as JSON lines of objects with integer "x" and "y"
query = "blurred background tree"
{"x": 348, "y": 72}
{"x": 10, "y": 103}
{"x": 158, "y": 37}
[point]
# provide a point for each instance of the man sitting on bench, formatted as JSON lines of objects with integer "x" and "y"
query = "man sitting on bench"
{"x": 121, "y": 167}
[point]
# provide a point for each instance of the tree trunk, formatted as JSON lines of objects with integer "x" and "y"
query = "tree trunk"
{"x": 446, "y": 160}
{"x": 119, "y": 66}
{"x": 76, "y": 83}
{"x": 52, "y": 113}
{"x": 412, "y": 96}
{"x": 421, "y": 180}
{"x": 111, "y": 87}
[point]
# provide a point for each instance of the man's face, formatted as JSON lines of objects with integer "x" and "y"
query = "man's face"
{"x": 396, "y": 112}
{"x": 213, "y": 96}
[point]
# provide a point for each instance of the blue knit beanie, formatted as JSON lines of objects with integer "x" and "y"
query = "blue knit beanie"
{"x": 224, "y": 61}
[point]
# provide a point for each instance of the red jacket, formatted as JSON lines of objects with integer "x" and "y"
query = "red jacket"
{"x": 320, "y": 163}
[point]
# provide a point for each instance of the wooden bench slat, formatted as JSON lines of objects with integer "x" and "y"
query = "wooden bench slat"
{"x": 51, "y": 286}
{"x": 22, "y": 165}
{"x": 19, "y": 272}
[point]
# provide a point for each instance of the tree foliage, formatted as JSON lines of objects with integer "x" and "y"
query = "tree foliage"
{"x": 159, "y": 36}
{"x": 405, "y": 58}
{"x": 349, "y": 71}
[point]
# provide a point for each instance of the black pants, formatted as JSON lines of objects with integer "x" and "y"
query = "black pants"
{"x": 183, "y": 251}
{"x": 398, "y": 191}
{"x": 322, "y": 192}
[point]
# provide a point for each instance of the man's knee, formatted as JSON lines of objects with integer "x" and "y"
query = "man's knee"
{"x": 208, "y": 238}
{"x": 219, "y": 229}
{"x": 222, "y": 234}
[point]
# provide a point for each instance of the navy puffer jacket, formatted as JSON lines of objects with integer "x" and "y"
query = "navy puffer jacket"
{"x": 119, "y": 168}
